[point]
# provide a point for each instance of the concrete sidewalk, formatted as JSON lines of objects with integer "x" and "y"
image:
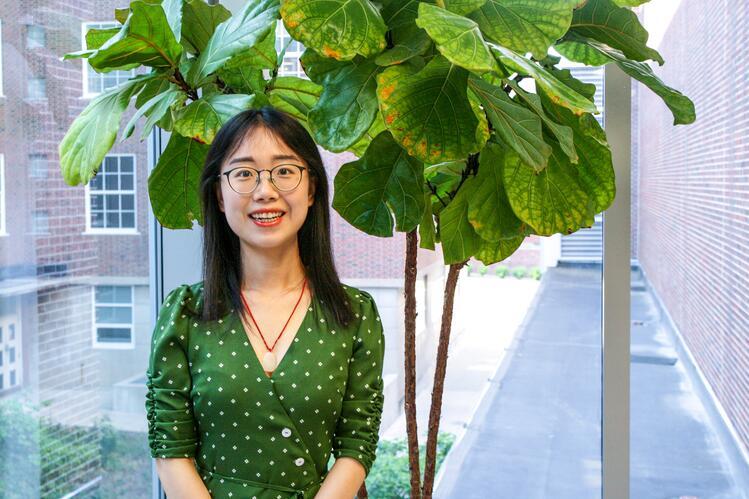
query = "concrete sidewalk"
{"x": 537, "y": 430}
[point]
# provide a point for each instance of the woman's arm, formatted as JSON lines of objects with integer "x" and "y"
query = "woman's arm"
{"x": 180, "y": 478}
{"x": 343, "y": 480}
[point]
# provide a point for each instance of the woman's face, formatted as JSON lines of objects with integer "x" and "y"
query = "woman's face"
{"x": 262, "y": 150}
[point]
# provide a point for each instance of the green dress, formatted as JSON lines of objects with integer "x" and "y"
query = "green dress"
{"x": 254, "y": 436}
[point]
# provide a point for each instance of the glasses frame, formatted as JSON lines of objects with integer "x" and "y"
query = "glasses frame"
{"x": 270, "y": 176}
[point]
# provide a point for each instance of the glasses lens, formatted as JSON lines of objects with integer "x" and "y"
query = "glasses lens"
{"x": 286, "y": 177}
{"x": 243, "y": 180}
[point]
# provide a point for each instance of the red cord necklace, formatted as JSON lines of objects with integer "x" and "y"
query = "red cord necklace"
{"x": 270, "y": 362}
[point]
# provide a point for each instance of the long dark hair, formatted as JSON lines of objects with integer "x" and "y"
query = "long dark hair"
{"x": 222, "y": 263}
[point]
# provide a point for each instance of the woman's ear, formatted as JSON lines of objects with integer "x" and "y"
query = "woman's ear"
{"x": 219, "y": 197}
{"x": 311, "y": 196}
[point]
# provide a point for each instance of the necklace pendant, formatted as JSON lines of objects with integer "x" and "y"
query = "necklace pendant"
{"x": 269, "y": 361}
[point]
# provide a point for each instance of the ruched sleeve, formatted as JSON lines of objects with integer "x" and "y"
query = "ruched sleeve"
{"x": 171, "y": 424}
{"x": 357, "y": 430}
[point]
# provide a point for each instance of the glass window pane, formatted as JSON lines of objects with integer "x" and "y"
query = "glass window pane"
{"x": 127, "y": 219}
{"x": 111, "y": 182}
{"x": 127, "y": 201}
{"x": 126, "y": 182}
{"x": 113, "y": 335}
{"x": 113, "y": 220}
{"x": 112, "y": 202}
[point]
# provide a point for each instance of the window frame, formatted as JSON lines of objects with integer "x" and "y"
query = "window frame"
{"x": 1, "y": 59}
{"x": 102, "y": 345}
{"x": 86, "y": 93}
{"x": 111, "y": 230}
{"x": 3, "y": 204}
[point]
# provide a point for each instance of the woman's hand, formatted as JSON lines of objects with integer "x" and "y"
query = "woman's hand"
{"x": 343, "y": 480}
{"x": 180, "y": 478}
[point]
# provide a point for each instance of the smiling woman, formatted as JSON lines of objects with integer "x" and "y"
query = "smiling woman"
{"x": 270, "y": 364}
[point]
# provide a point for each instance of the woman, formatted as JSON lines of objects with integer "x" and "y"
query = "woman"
{"x": 269, "y": 365}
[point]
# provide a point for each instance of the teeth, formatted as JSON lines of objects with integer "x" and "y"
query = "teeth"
{"x": 266, "y": 216}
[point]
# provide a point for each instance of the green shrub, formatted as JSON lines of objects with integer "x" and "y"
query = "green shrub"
{"x": 519, "y": 271}
{"x": 535, "y": 273}
{"x": 482, "y": 270}
{"x": 501, "y": 270}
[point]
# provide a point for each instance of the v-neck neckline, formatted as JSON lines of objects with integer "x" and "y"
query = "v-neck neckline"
{"x": 282, "y": 360}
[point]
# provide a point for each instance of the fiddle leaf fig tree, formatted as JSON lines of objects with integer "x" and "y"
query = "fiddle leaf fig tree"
{"x": 468, "y": 131}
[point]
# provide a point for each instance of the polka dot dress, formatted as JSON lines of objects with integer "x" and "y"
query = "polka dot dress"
{"x": 254, "y": 436}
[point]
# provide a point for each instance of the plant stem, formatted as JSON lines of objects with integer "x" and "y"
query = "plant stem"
{"x": 434, "y": 191}
{"x": 410, "y": 363}
{"x": 362, "y": 492}
{"x": 439, "y": 377}
{"x": 180, "y": 81}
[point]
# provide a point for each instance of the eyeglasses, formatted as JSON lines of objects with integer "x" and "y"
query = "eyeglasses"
{"x": 244, "y": 180}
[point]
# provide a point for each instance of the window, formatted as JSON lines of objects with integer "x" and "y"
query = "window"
{"x": 110, "y": 196}
{"x": 40, "y": 222}
{"x": 1, "y": 58}
{"x": 2, "y": 196}
{"x": 10, "y": 358}
{"x": 37, "y": 88}
{"x": 38, "y": 165}
{"x": 95, "y": 83}
{"x": 113, "y": 316}
{"x": 290, "y": 65}
{"x": 35, "y": 36}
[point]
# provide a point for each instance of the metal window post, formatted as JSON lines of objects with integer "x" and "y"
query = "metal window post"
{"x": 617, "y": 233}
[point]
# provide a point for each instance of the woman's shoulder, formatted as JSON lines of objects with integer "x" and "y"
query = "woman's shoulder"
{"x": 187, "y": 297}
{"x": 361, "y": 300}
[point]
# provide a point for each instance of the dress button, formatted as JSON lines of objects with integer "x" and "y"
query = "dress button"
{"x": 286, "y": 432}
{"x": 299, "y": 461}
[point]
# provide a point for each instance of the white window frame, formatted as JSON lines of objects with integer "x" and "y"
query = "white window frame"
{"x": 95, "y": 337}
{"x": 1, "y": 59}
{"x": 5, "y": 322}
{"x": 29, "y": 29}
{"x": 110, "y": 230}
{"x": 282, "y": 35}
{"x": 3, "y": 216}
{"x": 86, "y": 93}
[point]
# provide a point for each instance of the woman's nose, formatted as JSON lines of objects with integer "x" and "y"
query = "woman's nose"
{"x": 264, "y": 187}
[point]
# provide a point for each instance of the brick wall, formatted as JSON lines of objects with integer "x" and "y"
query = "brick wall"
{"x": 694, "y": 195}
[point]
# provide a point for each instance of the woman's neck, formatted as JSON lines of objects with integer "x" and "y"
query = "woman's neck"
{"x": 272, "y": 272}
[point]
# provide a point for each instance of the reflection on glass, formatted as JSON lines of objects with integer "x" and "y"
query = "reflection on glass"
{"x": 75, "y": 313}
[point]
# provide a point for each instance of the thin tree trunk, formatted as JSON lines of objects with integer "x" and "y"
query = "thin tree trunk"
{"x": 410, "y": 363}
{"x": 439, "y": 378}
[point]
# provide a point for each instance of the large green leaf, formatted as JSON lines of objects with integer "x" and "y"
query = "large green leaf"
{"x": 429, "y": 113}
{"x": 617, "y": 27}
{"x": 458, "y": 38}
{"x": 427, "y": 230}
{"x": 581, "y": 52}
{"x": 680, "y": 105}
{"x": 234, "y": 35}
{"x": 518, "y": 126}
{"x": 202, "y": 118}
{"x": 199, "y": 21}
{"x": 173, "y": 12}
{"x": 525, "y": 25}
{"x": 378, "y": 125}
{"x": 319, "y": 68}
{"x": 347, "y": 106}
{"x": 595, "y": 165}
{"x": 560, "y": 92}
{"x": 244, "y": 79}
{"x": 495, "y": 251}
{"x": 385, "y": 183}
{"x": 154, "y": 108}
{"x": 95, "y": 38}
{"x": 93, "y": 132}
{"x": 262, "y": 55}
{"x": 294, "y": 95}
{"x": 562, "y": 133}
{"x": 551, "y": 201}
{"x": 459, "y": 239}
{"x": 489, "y": 210}
{"x": 407, "y": 43}
{"x": 145, "y": 38}
{"x": 630, "y": 3}
{"x": 341, "y": 29}
{"x": 174, "y": 184}
{"x": 463, "y": 7}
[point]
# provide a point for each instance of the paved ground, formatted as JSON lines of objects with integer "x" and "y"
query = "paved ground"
{"x": 536, "y": 431}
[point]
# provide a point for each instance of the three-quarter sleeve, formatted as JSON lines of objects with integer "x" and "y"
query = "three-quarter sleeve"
{"x": 171, "y": 424}
{"x": 357, "y": 430}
